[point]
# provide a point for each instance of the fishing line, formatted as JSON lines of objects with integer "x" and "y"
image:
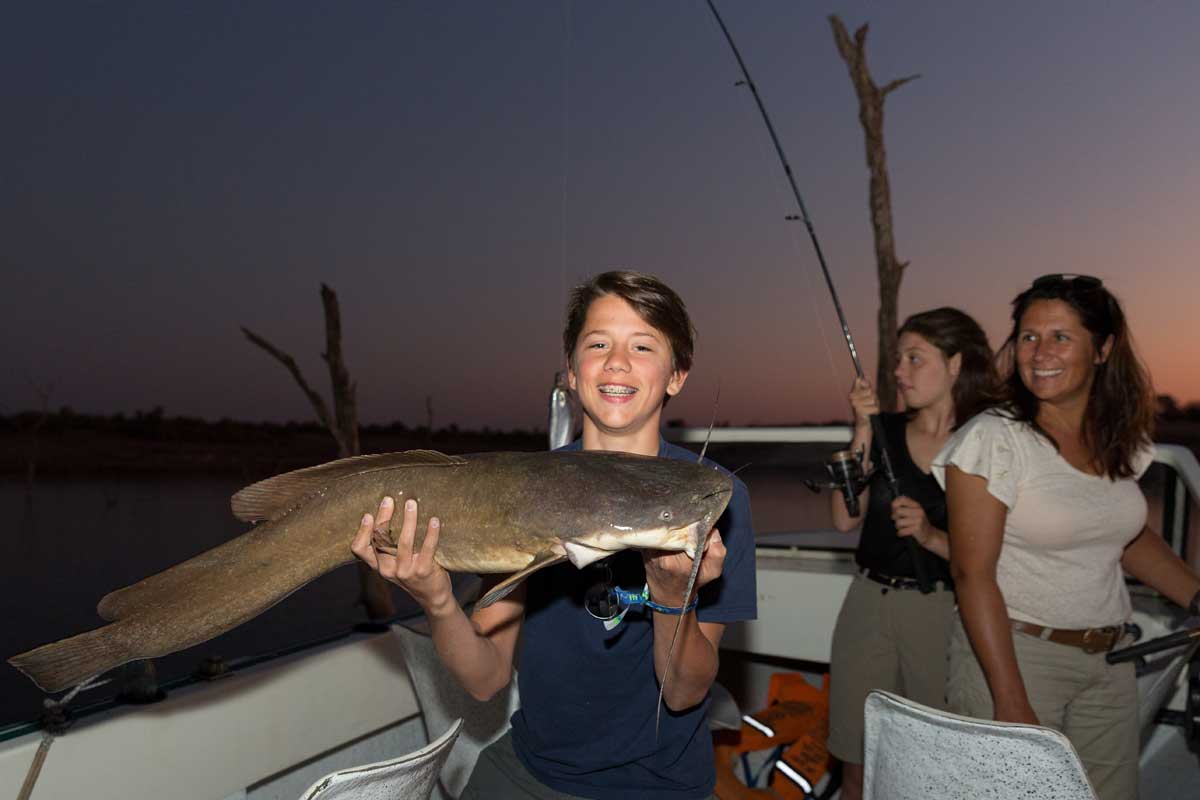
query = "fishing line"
{"x": 784, "y": 207}
{"x": 568, "y": 28}
{"x": 877, "y": 430}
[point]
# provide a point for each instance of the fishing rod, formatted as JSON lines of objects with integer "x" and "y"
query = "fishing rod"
{"x": 845, "y": 468}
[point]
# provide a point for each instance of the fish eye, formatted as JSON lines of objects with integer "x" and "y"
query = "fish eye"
{"x": 665, "y": 516}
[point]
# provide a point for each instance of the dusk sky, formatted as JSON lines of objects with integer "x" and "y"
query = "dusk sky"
{"x": 172, "y": 171}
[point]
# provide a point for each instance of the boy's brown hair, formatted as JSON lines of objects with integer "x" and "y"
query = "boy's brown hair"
{"x": 654, "y": 302}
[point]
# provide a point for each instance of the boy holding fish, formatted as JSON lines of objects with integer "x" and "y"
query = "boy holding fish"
{"x": 592, "y": 656}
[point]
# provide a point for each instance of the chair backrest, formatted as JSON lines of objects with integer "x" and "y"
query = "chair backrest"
{"x": 723, "y": 711}
{"x": 913, "y": 752}
{"x": 410, "y": 777}
{"x": 442, "y": 700}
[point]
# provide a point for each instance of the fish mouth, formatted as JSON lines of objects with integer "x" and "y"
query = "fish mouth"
{"x": 602, "y": 544}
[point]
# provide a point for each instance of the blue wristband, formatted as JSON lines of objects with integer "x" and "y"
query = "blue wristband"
{"x": 630, "y": 599}
{"x": 668, "y": 610}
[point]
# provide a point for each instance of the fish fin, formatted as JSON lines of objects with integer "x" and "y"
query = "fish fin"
{"x": 272, "y": 498}
{"x": 69, "y": 662}
{"x": 698, "y": 549}
{"x": 501, "y": 590}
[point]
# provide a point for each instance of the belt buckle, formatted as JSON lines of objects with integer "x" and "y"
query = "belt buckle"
{"x": 1099, "y": 640}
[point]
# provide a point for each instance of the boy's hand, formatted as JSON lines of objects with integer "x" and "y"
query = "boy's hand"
{"x": 667, "y": 571}
{"x": 413, "y": 570}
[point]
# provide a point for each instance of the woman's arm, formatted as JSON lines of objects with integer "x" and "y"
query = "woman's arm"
{"x": 1149, "y": 559}
{"x": 976, "y": 534}
{"x": 478, "y": 650}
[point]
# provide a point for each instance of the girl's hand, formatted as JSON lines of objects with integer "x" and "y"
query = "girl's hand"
{"x": 864, "y": 401}
{"x": 910, "y": 520}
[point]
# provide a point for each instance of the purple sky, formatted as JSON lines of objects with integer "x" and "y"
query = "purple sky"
{"x": 173, "y": 171}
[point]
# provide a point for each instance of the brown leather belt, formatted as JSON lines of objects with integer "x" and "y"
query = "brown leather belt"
{"x": 1089, "y": 640}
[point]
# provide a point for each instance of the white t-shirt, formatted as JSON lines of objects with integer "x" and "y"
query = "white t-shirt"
{"x": 1065, "y": 531}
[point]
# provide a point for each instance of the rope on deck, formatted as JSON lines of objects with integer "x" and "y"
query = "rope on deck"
{"x": 56, "y": 722}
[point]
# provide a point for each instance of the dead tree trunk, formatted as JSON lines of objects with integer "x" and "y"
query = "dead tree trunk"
{"x": 890, "y": 268}
{"x": 345, "y": 403}
{"x": 428, "y": 421}
{"x": 375, "y": 593}
{"x": 43, "y": 393}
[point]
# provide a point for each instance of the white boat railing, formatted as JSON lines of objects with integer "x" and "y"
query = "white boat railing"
{"x": 815, "y": 434}
{"x": 1183, "y": 483}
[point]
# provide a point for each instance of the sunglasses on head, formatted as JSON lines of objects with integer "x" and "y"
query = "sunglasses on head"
{"x": 600, "y": 600}
{"x": 1085, "y": 282}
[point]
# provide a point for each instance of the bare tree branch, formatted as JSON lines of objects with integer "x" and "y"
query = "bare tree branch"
{"x": 888, "y": 266}
{"x": 896, "y": 84}
{"x": 318, "y": 402}
{"x": 375, "y": 592}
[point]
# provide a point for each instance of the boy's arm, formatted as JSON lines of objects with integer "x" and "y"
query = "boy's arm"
{"x": 478, "y": 650}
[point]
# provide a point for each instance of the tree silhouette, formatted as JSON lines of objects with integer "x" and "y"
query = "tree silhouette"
{"x": 889, "y": 267}
{"x": 376, "y": 593}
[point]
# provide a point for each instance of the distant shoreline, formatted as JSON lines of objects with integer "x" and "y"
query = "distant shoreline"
{"x": 65, "y": 444}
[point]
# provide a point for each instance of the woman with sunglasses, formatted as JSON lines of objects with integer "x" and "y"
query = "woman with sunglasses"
{"x": 1046, "y": 518}
{"x": 889, "y": 635}
{"x": 594, "y": 642}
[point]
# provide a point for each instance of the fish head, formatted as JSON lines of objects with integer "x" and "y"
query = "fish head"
{"x": 649, "y": 503}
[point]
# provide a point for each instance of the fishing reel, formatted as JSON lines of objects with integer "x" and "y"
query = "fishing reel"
{"x": 846, "y": 475}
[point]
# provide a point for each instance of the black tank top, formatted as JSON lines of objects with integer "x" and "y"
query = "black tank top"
{"x": 879, "y": 548}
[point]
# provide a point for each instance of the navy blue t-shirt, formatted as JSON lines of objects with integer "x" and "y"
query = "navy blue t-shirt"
{"x": 588, "y": 695}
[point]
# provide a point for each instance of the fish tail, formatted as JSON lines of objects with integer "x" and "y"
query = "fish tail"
{"x": 70, "y": 662}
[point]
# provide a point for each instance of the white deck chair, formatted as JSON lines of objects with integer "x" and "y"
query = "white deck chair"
{"x": 410, "y": 777}
{"x": 913, "y": 752}
{"x": 723, "y": 711}
{"x": 442, "y": 700}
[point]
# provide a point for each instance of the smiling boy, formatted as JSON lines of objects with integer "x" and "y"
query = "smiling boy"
{"x": 590, "y": 673}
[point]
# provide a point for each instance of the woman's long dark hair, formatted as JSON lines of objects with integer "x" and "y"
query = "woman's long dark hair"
{"x": 954, "y": 332}
{"x": 1119, "y": 418}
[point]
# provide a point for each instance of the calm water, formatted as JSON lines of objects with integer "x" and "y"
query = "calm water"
{"x": 78, "y": 540}
{"x": 74, "y": 541}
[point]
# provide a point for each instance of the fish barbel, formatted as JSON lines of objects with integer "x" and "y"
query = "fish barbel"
{"x": 499, "y": 513}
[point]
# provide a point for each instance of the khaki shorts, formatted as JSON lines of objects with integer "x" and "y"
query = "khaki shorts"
{"x": 500, "y": 775}
{"x": 1091, "y": 701}
{"x": 890, "y": 639}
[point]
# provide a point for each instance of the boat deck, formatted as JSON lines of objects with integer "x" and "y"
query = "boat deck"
{"x": 270, "y": 730}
